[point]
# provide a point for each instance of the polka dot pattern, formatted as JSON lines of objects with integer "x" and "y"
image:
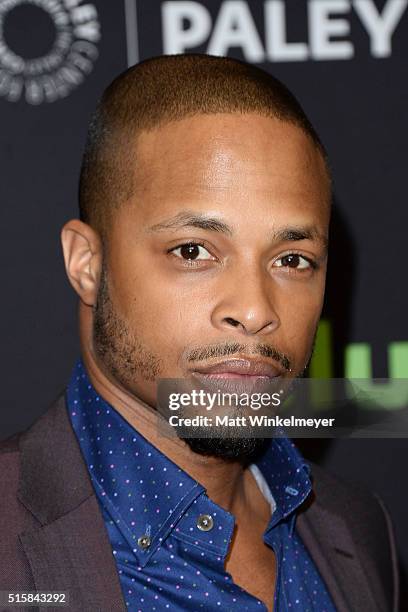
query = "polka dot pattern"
{"x": 151, "y": 507}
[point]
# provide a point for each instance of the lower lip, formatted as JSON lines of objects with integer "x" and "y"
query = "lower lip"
{"x": 235, "y": 375}
{"x": 234, "y": 382}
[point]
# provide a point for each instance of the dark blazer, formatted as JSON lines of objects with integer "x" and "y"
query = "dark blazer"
{"x": 53, "y": 538}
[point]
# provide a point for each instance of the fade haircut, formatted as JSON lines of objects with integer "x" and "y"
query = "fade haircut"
{"x": 157, "y": 91}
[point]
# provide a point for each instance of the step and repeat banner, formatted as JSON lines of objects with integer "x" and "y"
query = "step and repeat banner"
{"x": 345, "y": 60}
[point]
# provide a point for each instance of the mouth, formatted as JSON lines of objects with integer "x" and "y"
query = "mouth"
{"x": 241, "y": 369}
{"x": 239, "y": 375}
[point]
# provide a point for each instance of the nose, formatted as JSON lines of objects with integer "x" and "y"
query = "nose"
{"x": 246, "y": 304}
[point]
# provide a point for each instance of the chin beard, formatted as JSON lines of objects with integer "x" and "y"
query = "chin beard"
{"x": 244, "y": 450}
{"x": 234, "y": 449}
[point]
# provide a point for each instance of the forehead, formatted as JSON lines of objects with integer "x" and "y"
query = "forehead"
{"x": 228, "y": 159}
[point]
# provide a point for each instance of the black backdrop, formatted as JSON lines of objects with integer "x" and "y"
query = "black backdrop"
{"x": 345, "y": 61}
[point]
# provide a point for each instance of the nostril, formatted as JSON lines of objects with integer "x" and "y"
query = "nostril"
{"x": 231, "y": 321}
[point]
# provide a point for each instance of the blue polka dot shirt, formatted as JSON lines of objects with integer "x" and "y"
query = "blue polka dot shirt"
{"x": 169, "y": 540}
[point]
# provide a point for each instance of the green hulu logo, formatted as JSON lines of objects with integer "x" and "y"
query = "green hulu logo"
{"x": 358, "y": 365}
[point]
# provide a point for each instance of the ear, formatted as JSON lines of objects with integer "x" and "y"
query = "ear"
{"x": 83, "y": 254}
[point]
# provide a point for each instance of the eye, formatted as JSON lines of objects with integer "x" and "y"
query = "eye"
{"x": 294, "y": 260}
{"x": 191, "y": 251}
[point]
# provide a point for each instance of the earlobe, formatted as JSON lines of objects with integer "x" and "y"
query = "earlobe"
{"x": 82, "y": 249}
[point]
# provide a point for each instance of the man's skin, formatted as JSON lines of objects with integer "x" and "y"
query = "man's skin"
{"x": 257, "y": 175}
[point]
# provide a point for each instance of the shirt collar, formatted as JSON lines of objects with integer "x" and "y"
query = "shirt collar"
{"x": 287, "y": 475}
{"x": 144, "y": 489}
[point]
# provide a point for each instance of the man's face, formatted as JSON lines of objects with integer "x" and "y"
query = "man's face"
{"x": 220, "y": 254}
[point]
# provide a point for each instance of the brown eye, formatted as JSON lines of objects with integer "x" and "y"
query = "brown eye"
{"x": 192, "y": 251}
{"x": 293, "y": 260}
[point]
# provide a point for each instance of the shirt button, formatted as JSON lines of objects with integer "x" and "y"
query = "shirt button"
{"x": 205, "y": 522}
{"x": 144, "y": 542}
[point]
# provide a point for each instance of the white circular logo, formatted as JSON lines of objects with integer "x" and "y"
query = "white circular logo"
{"x": 64, "y": 66}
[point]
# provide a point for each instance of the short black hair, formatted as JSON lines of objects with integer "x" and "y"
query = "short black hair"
{"x": 163, "y": 89}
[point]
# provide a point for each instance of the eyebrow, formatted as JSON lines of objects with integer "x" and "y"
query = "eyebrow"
{"x": 188, "y": 219}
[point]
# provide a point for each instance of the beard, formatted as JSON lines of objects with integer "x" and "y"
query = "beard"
{"x": 240, "y": 450}
{"x": 122, "y": 353}
{"x": 125, "y": 356}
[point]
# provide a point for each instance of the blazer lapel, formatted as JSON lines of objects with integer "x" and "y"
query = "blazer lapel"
{"x": 70, "y": 549}
{"x": 331, "y": 547}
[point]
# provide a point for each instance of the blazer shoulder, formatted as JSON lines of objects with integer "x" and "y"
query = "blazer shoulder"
{"x": 367, "y": 518}
{"x": 15, "y": 570}
{"x": 11, "y": 444}
{"x": 349, "y": 499}
{"x": 9, "y": 466}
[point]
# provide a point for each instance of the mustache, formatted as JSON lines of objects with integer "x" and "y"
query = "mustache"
{"x": 230, "y": 349}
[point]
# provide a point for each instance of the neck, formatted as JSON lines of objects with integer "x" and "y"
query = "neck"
{"x": 227, "y": 483}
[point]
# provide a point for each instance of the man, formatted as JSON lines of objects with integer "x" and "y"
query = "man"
{"x": 201, "y": 252}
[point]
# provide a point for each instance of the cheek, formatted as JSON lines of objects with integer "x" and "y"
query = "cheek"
{"x": 301, "y": 304}
{"x": 165, "y": 313}
{"x": 299, "y": 316}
